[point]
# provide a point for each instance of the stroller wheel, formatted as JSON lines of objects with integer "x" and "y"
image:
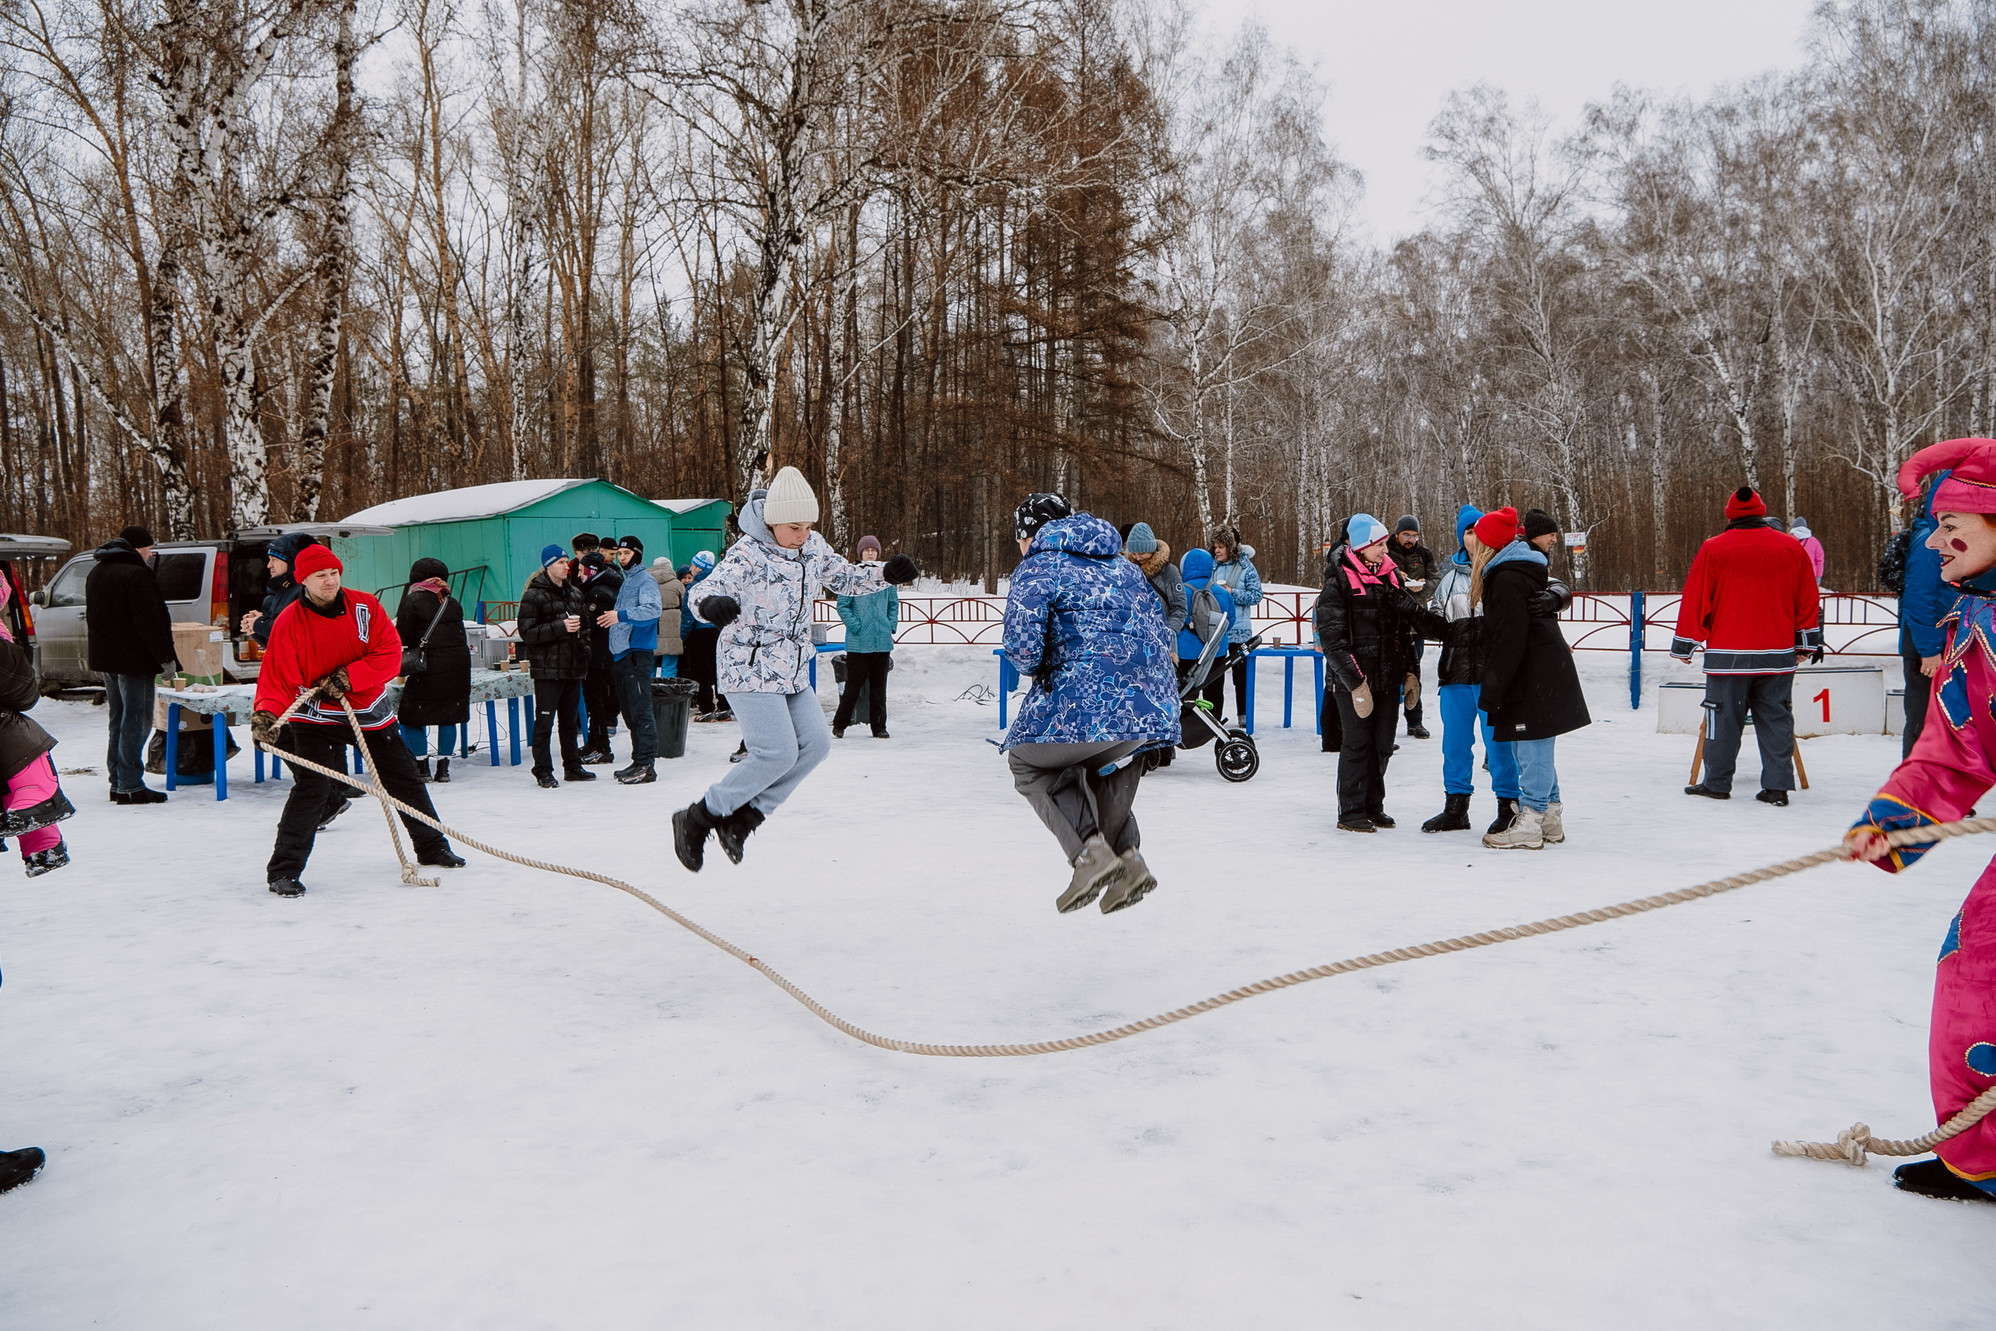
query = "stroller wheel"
{"x": 1237, "y": 759}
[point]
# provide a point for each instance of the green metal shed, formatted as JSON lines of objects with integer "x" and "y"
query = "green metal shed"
{"x": 494, "y": 533}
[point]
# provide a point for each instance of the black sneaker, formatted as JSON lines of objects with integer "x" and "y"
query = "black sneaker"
{"x": 446, "y": 858}
{"x": 838, "y": 732}
{"x": 17, "y": 1167}
{"x": 1778, "y": 798}
{"x": 578, "y": 774}
{"x": 1931, "y": 1178}
{"x": 741, "y": 752}
{"x": 334, "y": 812}
{"x": 287, "y": 887}
{"x": 637, "y": 774}
{"x": 1415, "y": 730}
{"x": 143, "y": 795}
{"x": 546, "y": 781}
{"x": 1702, "y": 789}
{"x": 881, "y": 734}
{"x": 40, "y": 862}
{"x": 1380, "y": 820}
{"x": 1356, "y": 825}
{"x": 598, "y": 758}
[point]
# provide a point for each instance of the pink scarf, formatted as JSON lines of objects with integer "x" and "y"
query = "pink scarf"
{"x": 436, "y": 586}
{"x": 1361, "y": 577}
{"x": 6, "y": 595}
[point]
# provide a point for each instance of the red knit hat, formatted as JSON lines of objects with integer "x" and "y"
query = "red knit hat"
{"x": 1744, "y": 503}
{"x": 1497, "y": 529}
{"x": 1972, "y": 486}
{"x": 313, "y": 558}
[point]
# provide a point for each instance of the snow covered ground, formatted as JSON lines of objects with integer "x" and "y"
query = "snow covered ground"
{"x": 519, "y": 1101}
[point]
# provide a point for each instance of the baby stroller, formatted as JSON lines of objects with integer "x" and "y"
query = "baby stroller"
{"x": 1236, "y": 756}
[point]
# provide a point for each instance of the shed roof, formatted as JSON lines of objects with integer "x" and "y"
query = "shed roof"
{"x": 684, "y": 505}
{"x": 471, "y": 501}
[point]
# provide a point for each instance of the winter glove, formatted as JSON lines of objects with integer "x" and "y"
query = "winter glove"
{"x": 1553, "y": 600}
{"x": 335, "y": 685}
{"x": 899, "y": 570}
{"x": 719, "y": 610}
{"x": 1361, "y": 700}
{"x": 263, "y": 729}
{"x": 1816, "y": 657}
{"x": 170, "y": 669}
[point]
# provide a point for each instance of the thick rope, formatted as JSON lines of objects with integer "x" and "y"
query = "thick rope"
{"x": 1851, "y": 1145}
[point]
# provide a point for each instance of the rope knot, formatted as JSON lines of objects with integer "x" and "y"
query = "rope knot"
{"x": 1851, "y": 1147}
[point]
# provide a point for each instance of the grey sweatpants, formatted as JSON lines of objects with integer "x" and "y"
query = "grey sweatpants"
{"x": 1067, "y": 790}
{"x": 786, "y": 737}
{"x": 1728, "y": 699}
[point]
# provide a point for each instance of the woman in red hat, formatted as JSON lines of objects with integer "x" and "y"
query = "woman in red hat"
{"x": 1951, "y": 766}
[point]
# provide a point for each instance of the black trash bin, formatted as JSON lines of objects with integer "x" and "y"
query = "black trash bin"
{"x": 671, "y": 708}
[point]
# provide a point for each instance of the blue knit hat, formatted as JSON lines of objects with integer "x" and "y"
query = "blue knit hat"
{"x": 1363, "y": 530}
{"x": 551, "y": 554}
{"x": 1141, "y": 540}
{"x": 704, "y": 560}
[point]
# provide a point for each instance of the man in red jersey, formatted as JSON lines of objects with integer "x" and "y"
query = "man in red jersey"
{"x": 345, "y": 641}
{"x": 1750, "y": 600}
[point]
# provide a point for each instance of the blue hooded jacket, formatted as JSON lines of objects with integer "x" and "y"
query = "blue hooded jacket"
{"x": 1083, "y": 624}
{"x": 639, "y": 607}
{"x": 1196, "y": 570}
{"x": 1926, "y": 599}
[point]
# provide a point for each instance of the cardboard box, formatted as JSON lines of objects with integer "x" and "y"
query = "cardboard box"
{"x": 200, "y": 648}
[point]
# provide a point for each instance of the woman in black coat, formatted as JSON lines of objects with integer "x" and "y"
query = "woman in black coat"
{"x": 1531, "y": 689}
{"x": 441, "y": 695}
{"x": 1367, "y": 626}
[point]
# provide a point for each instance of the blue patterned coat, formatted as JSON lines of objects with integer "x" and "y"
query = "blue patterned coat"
{"x": 1086, "y": 628}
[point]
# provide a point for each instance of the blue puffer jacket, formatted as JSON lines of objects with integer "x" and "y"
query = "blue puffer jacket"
{"x": 1243, "y": 583}
{"x": 1927, "y": 599}
{"x": 871, "y": 620}
{"x": 638, "y": 609}
{"x": 1196, "y": 570}
{"x": 1082, "y": 623}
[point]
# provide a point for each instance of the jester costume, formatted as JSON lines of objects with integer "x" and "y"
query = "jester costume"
{"x": 1952, "y": 766}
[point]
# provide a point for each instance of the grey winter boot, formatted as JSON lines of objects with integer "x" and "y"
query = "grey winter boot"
{"x": 1095, "y": 868}
{"x": 1555, "y": 830}
{"x": 1132, "y": 887}
{"x": 1526, "y": 832}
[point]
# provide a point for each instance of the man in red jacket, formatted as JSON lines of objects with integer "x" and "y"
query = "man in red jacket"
{"x": 345, "y": 641}
{"x": 1750, "y": 600}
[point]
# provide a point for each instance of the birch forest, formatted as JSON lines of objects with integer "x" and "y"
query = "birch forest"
{"x": 276, "y": 260}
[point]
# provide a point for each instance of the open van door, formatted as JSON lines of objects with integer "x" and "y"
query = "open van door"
{"x": 20, "y": 613}
{"x": 243, "y": 581}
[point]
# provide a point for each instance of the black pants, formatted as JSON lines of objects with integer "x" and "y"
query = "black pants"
{"x": 313, "y": 796}
{"x": 866, "y": 670}
{"x": 1368, "y": 744}
{"x": 697, "y": 664}
{"x": 1330, "y": 721}
{"x": 1919, "y": 691}
{"x": 555, "y": 700}
{"x": 633, "y": 675}
{"x": 600, "y": 699}
{"x": 1728, "y": 700}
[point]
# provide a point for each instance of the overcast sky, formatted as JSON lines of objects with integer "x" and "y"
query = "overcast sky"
{"x": 1389, "y": 64}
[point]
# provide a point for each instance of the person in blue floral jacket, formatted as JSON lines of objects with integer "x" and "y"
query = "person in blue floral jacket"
{"x": 1083, "y": 625}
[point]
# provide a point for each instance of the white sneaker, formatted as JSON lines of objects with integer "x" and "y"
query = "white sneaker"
{"x": 1526, "y": 832}
{"x": 1555, "y": 829}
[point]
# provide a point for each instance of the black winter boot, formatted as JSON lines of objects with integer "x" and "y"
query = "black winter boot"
{"x": 17, "y": 1167}
{"x": 1931, "y": 1178}
{"x": 1506, "y": 811}
{"x": 1778, "y": 798}
{"x": 690, "y": 827}
{"x": 733, "y": 830}
{"x": 1454, "y": 816}
{"x": 287, "y": 887}
{"x": 47, "y": 861}
{"x": 443, "y": 772}
{"x": 1702, "y": 789}
{"x": 13, "y": 822}
{"x": 422, "y": 769}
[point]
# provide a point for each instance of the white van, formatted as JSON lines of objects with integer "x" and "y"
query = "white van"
{"x": 203, "y": 582}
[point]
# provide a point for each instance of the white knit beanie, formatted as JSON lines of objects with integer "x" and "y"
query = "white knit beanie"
{"x": 790, "y": 499}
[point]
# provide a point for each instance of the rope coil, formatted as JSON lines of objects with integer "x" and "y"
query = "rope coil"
{"x": 1851, "y": 1146}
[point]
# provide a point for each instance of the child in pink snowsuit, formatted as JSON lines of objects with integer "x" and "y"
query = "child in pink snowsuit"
{"x": 1950, "y": 768}
{"x": 33, "y": 801}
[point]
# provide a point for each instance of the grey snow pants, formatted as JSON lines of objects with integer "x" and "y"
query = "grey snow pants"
{"x": 1064, "y": 784}
{"x": 1770, "y": 699}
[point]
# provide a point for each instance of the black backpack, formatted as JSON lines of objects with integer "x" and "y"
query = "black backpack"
{"x": 1892, "y": 562}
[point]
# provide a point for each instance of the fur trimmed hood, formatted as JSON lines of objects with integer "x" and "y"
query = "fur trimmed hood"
{"x": 1152, "y": 564}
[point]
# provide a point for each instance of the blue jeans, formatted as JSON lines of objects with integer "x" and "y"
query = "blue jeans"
{"x": 786, "y": 737}
{"x": 418, "y": 740}
{"x": 1538, "y": 780}
{"x": 130, "y": 699}
{"x": 1461, "y": 722}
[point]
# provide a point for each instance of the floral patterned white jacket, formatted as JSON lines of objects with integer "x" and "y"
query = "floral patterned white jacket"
{"x": 768, "y": 648}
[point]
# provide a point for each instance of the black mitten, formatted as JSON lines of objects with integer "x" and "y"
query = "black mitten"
{"x": 719, "y": 610}
{"x": 899, "y": 570}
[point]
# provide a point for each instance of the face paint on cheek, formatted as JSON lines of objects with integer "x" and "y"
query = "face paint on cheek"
{"x": 1958, "y": 545}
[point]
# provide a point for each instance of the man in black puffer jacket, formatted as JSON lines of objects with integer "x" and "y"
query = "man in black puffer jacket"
{"x": 553, "y": 637}
{"x": 599, "y": 581}
{"x": 131, "y": 642}
{"x": 1367, "y": 626}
